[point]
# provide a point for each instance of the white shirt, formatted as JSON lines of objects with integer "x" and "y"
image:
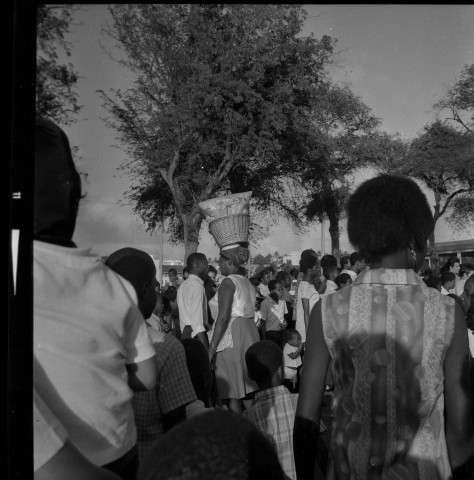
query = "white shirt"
{"x": 470, "y": 335}
{"x": 87, "y": 327}
{"x": 49, "y": 435}
{"x": 352, "y": 274}
{"x": 264, "y": 290}
{"x": 288, "y": 361}
{"x": 192, "y": 304}
{"x": 305, "y": 290}
{"x": 444, "y": 291}
{"x": 330, "y": 288}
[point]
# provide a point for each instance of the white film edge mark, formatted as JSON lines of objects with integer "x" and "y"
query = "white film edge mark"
{"x": 15, "y": 241}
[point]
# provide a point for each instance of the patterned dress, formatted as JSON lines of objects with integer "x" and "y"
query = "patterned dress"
{"x": 388, "y": 334}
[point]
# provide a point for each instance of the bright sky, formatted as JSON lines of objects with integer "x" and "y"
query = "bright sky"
{"x": 397, "y": 57}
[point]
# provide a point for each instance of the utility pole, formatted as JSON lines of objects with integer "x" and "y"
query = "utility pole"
{"x": 161, "y": 250}
{"x": 323, "y": 225}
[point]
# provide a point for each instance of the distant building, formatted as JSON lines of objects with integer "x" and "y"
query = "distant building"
{"x": 463, "y": 249}
{"x": 173, "y": 262}
{"x": 293, "y": 257}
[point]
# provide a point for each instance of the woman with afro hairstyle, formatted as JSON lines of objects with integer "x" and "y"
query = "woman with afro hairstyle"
{"x": 402, "y": 388}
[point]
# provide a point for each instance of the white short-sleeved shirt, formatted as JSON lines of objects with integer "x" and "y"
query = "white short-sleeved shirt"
{"x": 87, "y": 327}
{"x": 351, "y": 273}
{"x": 192, "y": 304}
{"x": 49, "y": 434}
{"x": 273, "y": 313}
{"x": 290, "y": 362}
{"x": 305, "y": 290}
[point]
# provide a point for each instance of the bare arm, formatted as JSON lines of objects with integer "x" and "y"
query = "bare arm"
{"x": 225, "y": 299}
{"x": 296, "y": 354}
{"x": 308, "y": 411}
{"x": 458, "y": 395}
{"x": 305, "y": 304}
{"x": 71, "y": 464}
{"x": 142, "y": 375}
{"x": 203, "y": 338}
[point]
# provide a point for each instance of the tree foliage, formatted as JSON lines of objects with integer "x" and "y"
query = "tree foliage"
{"x": 55, "y": 81}
{"x": 222, "y": 104}
{"x": 458, "y": 100}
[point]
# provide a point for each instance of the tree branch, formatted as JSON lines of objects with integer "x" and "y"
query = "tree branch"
{"x": 448, "y": 200}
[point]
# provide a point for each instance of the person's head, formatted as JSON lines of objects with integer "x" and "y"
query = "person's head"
{"x": 426, "y": 272}
{"x": 172, "y": 275}
{"x": 162, "y": 305}
{"x": 357, "y": 261}
{"x": 255, "y": 281}
{"x": 197, "y": 264}
{"x": 199, "y": 367}
{"x": 433, "y": 281}
{"x": 328, "y": 261}
{"x": 232, "y": 259}
{"x": 264, "y": 361}
{"x": 308, "y": 252}
{"x": 186, "y": 273}
{"x": 342, "y": 280}
{"x": 294, "y": 272}
{"x": 216, "y": 444}
{"x": 276, "y": 290}
{"x": 212, "y": 273}
{"x": 453, "y": 264}
{"x": 292, "y": 337}
{"x": 330, "y": 272}
{"x": 465, "y": 270}
{"x": 139, "y": 269}
{"x": 448, "y": 280}
{"x": 57, "y": 185}
{"x": 389, "y": 216}
{"x": 346, "y": 262}
{"x": 272, "y": 271}
{"x": 285, "y": 278}
{"x": 265, "y": 276}
{"x": 309, "y": 265}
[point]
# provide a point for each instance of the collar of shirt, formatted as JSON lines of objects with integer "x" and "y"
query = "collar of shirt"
{"x": 271, "y": 392}
{"x": 330, "y": 285}
{"x": 195, "y": 278}
{"x": 444, "y": 291}
{"x": 389, "y": 276}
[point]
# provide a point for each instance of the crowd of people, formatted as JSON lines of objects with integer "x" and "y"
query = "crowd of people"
{"x": 219, "y": 375}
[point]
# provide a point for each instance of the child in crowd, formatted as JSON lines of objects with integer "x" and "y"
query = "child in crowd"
{"x": 292, "y": 359}
{"x": 342, "y": 280}
{"x": 272, "y": 313}
{"x": 171, "y": 294}
{"x": 161, "y": 318}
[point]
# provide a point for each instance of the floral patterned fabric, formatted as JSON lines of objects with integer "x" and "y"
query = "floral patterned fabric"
{"x": 388, "y": 334}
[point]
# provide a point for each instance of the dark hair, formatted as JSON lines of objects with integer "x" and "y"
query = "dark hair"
{"x": 328, "y": 261}
{"x": 211, "y": 269}
{"x": 294, "y": 272}
{"x": 433, "y": 281}
{"x": 283, "y": 276}
{"x": 186, "y": 270}
{"x": 344, "y": 260}
{"x": 166, "y": 303}
{"x": 447, "y": 277}
{"x": 263, "y": 359}
{"x": 171, "y": 293}
{"x": 272, "y": 284}
{"x": 263, "y": 273}
{"x": 193, "y": 259}
{"x": 173, "y": 270}
{"x": 386, "y": 214}
{"x": 328, "y": 269}
{"x": 289, "y": 333}
{"x": 255, "y": 281}
{"x": 465, "y": 268}
{"x": 307, "y": 262}
{"x": 450, "y": 262}
{"x": 215, "y": 444}
{"x": 342, "y": 279}
{"x": 355, "y": 257}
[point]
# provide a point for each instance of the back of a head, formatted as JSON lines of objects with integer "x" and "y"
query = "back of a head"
{"x": 134, "y": 265}
{"x": 466, "y": 268}
{"x": 201, "y": 448}
{"x": 263, "y": 359}
{"x": 447, "y": 277}
{"x": 330, "y": 271}
{"x": 255, "y": 281}
{"x": 433, "y": 281}
{"x": 283, "y": 277}
{"x": 387, "y": 214}
{"x": 57, "y": 184}
{"x": 328, "y": 261}
{"x": 342, "y": 279}
{"x": 308, "y": 261}
{"x": 194, "y": 259}
{"x": 345, "y": 260}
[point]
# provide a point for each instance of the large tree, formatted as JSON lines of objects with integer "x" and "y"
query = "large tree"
{"x": 222, "y": 103}
{"x": 348, "y": 132}
{"x": 56, "y": 97}
{"x": 458, "y": 100}
{"x": 442, "y": 158}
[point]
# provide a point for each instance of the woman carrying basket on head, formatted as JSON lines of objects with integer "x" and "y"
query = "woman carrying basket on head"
{"x": 233, "y": 307}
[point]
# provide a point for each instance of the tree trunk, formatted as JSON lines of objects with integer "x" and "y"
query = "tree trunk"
{"x": 431, "y": 238}
{"x": 191, "y": 227}
{"x": 334, "y": 233}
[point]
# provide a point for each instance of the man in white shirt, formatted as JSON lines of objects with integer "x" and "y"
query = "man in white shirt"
{"x": 330, "y": 274}
{"x": 192, "y": 303}
{"x": 358, "y": 263}
{"x": 466, "y": 270}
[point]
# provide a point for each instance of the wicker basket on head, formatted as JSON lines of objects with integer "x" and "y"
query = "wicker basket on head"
{"x": 230, "y": 229}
